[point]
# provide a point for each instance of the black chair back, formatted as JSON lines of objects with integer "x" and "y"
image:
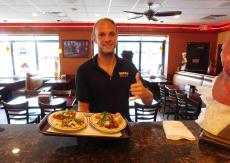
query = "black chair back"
{"x": 181, "y": 100}
{"x": 146, "y": 112}
{"x": 162, "y": 91}
{"x": 47, "y": 107}
{"x": 18, "y": 113}
{"x": 185, "y": 110}
{"x": 172, "y": 96}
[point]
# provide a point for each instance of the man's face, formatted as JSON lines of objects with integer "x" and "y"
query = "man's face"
{"x": 225, "y": 56}
{"x": 105, "y": 37}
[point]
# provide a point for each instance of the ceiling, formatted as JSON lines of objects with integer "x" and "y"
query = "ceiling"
{"x": 88, "y": 11}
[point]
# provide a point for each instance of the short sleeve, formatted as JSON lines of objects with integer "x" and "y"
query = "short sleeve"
{"x": 133, "y": 71}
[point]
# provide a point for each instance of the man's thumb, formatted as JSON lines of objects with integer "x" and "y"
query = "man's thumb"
{"x": 138, "y": 78}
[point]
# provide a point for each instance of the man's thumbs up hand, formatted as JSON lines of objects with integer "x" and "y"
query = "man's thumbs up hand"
{"x": 138, "y": 78}
{"x": 137, "y": 89}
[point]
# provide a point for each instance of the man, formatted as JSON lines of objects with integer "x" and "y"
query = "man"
{"x": 217, "y": 115}
{"x": 104, "y": 82}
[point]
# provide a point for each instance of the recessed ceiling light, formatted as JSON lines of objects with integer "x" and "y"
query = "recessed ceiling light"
{"x": 97, "y": 15}
{"x": 130, "y": 15}
{"x": 34, "y": 14}
{"x": 176, "y": 16}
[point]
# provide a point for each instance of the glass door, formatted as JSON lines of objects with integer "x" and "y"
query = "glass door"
{"x": 130, "y": 46}
{"x": 6, "y": 69}
{"x": 151, "y": 58}
{"x": 48, "y": 59}
{"x": 24, "y": 57}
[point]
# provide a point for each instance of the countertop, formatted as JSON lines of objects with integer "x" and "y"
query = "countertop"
{"x": 146, "y": 144}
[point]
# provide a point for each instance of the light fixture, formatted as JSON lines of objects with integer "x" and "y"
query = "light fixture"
{"x": 204, "y": 27}
{"x": 161, "y": 49}
{"x": 34, "y": 14}
{"x": 7, "y": 50}
{"x": 176, "y": 16}
{"x": 59, "y": 50}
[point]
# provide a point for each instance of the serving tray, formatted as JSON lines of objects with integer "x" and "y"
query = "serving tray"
{"x": 45, "y": 128}
{"x": 214, "y": 140}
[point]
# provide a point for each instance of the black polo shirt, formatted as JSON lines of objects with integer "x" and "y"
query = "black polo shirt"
{"x": 102, "y": 92}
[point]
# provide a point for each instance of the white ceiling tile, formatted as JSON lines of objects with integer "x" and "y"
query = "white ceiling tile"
{"x": 192, "y": 10}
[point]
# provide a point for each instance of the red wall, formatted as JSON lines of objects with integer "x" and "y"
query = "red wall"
{"x": 178, "y": 39}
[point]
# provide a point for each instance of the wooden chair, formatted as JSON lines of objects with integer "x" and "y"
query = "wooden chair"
{"x": 0, "y": 101}
{"x": 172, "y": 103}
{"x": 19, "y": 113}
{"x": 59, "y": 93}
{"x": 163, "y": 97}
{"x": 146, "y": 112}
{"x": 47, "y": 107}
{"x": 186, "y": 110}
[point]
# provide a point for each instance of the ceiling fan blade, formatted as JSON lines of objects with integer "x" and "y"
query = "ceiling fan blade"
{"x": 153, "y": 18}
{"x": 132, "y": 12}
{"x": 168, "y": 13}
{"x": 135, "y": 17}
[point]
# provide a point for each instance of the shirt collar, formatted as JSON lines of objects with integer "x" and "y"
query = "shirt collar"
{"x": 96, "y": 64}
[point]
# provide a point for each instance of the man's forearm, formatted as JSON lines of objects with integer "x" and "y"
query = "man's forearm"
{"x": 83, "y": 106}
{"x": 148, "y": 97}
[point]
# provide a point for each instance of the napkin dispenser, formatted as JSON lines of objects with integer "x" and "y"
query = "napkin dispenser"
{"x": 44, "y": 96}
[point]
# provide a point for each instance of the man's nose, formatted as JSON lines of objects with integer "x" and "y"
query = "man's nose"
{"x": 107, "y": 37}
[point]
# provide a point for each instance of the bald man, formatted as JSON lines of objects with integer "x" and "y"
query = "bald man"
{"x": 105, "y": 81}
{"x": 217, "y": 116}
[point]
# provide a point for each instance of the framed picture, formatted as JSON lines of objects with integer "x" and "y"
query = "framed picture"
{"x": 75, "y": 48}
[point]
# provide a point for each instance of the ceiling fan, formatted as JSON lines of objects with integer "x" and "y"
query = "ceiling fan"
{"x": 150, "y": 13}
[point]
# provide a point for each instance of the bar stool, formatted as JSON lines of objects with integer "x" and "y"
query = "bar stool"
{"x": 146, "y": 112}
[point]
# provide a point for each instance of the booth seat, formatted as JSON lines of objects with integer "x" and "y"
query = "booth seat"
{"x": 34, "y": 84}
{"x": 182, "y": 78}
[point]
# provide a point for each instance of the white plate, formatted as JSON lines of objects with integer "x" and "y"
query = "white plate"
{"x": 93, "y": 121}
{"x": 53, "y": 123}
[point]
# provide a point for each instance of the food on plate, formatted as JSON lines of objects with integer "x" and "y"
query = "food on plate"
{"x": 67, "y": 119}
{"x": 108, "y": 122}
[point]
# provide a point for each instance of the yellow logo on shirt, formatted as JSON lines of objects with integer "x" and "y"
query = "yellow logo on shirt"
{"x": 124, "y": 74}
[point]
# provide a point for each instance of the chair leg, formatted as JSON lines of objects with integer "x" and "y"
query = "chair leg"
{"x": 155, "y": 115}
{"x": 135, "y": 114}
{"x": 164, "y": 110}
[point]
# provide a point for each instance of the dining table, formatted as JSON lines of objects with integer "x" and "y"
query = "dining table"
{"x": 147, "y": 144}
{"x": 193, "y": 97}
{"x": 33, "y": 101}
{"x": 59, "y": 83}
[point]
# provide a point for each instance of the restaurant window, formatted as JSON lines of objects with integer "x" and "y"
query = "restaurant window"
{"x": 148, "y": 52}
{"x": 6, "y": 68}
{"x": 24, "y": 53}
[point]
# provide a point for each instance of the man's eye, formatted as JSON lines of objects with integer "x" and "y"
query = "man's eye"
{"x": 112, "y": 34}
{"x": 101, "y": 34}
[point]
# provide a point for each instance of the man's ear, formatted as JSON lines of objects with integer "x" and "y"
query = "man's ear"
{"x": 94, "y": 40}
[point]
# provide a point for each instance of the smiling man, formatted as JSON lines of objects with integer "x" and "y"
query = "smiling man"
{"x": 104, "y": 82}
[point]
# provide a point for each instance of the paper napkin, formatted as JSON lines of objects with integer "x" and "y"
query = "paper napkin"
{"x": 176, "y": 130}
